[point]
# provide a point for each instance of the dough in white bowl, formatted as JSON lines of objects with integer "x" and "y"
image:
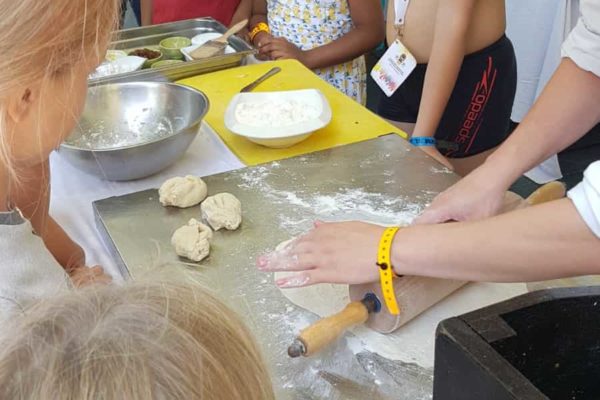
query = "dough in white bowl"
{"x": 182, "y": 191}
{"x": 222, "y": 210}
{"x": 192, "y": 241}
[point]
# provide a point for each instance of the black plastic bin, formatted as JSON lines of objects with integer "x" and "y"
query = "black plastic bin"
{"x": 542, "y": 345}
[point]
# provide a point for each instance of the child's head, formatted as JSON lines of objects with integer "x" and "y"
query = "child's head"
{"x": 137, "y": 341}
{"x": 48, "y": 49}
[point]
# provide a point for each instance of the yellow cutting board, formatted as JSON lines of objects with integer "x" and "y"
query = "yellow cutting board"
{"x": 350, "y": 123}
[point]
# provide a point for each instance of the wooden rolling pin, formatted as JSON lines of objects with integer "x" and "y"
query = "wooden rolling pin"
{"x": 414, "y": 294}
{"x": 327, "y": 330}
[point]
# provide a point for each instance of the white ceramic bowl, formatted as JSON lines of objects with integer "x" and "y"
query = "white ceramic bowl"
{"x": 266, "y": 131}
{"x": 120, "y": 65}
{"x": 112, "y": 55}
{"x": 199, "y": 40}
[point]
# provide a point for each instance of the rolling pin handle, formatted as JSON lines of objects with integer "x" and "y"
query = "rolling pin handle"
{"x": 297, "y": 349}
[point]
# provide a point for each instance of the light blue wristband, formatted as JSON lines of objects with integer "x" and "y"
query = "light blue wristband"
{"x": 422, "y": 141}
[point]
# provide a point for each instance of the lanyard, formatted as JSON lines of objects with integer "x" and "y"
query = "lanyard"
{"x": 400, "y": 8}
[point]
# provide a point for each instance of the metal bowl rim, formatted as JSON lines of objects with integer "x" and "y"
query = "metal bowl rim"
{"x": 195, "y": 122}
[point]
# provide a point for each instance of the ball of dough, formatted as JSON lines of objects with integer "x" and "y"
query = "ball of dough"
{"x": 192, "y": 241}
{"x": 182, "y": 191}
{"x": 222, "y": 210}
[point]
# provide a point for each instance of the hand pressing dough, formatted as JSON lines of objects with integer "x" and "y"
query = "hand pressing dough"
{"x": 182, "y": 191}
{"x": 192, "y": 241}
{"x": 222, "y": 210}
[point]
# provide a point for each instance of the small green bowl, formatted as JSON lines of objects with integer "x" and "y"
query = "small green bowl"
{"x": 171, "y": 47}
{"x": 164, "y": 63}
{"x": 149, "y": 62}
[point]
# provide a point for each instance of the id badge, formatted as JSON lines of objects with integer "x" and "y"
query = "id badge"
{"x": 393, "y": 68}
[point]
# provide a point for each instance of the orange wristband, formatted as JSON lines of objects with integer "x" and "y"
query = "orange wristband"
{"x": 260, "y": 27}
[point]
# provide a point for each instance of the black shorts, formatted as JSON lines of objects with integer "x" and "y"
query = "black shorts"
{"x": 477, "y": 117}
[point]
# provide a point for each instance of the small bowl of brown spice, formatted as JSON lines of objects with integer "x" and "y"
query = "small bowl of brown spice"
{"x": 150, "y": 55}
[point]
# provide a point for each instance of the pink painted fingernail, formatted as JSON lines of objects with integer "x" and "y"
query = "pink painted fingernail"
{"x": 262, "y": 262}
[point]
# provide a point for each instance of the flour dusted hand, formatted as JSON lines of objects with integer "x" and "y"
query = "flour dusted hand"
{"x": 182, "y": 192}
{"x": 192, "y": 241}
{"x": 222, "y": 210}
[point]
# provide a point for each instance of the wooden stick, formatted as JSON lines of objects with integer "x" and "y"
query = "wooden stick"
{"x": 327, "y": 330}
{"x": 217, "y": 46}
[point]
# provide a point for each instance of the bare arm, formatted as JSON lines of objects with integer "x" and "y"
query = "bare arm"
{"x": 258, "y": 12}
{"x": 32, "y": 197}
{"x": 146, "y": 11}
{"x": 567, "y": 109}
{"x": 243, "y": 11}
{"x": 368, "y": 32}
{"x": 258, "y": 15}
{"x": 548, "y": 241}
{"x": 447, "y": 54}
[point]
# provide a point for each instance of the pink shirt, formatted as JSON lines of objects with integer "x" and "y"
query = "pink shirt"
{"x": 176, "y": 10}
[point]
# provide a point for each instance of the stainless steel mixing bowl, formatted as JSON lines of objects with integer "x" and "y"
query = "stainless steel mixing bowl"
{"x": 133, "y": 130}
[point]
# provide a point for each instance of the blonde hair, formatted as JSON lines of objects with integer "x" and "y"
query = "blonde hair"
{"x": 40, "y": 38}
{"x": 137, "y": 341}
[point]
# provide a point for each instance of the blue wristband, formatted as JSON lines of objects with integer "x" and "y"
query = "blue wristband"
{"x": 422, "y": 141}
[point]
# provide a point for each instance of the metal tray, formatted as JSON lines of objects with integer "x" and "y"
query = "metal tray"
{"x": 151, "y": 36}
{"x": 378, "y": 180}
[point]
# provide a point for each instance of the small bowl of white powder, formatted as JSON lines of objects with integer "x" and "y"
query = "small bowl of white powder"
{"x": 278, "y": 119}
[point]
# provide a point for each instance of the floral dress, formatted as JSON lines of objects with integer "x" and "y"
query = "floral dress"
{"x": 309, "y": 24}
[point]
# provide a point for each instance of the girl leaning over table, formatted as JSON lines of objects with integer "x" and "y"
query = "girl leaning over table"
{"x": 142, "y": 340}
{"x": 327, "y": 36}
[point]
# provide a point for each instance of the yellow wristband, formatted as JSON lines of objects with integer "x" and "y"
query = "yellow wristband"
{"x": 260, "y": 27}
{"x": 386, "y": 270}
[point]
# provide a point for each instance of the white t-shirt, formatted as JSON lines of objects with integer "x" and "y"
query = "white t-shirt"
{"x": 583, "y": 44}
{"x": 538, "y": 28}
{"x": 28, "y": 272}
{"x": 583, "y": 47}
{"x": 586, "y": 197}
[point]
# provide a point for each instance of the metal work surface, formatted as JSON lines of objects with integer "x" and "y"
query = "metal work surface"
{"x": 381, "y": 180}
{"x": 150, "y": 37}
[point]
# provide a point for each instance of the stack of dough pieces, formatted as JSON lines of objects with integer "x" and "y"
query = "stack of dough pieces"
{"x": 222, "y": 210}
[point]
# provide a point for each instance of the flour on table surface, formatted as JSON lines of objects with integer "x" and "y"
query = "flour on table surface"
{"x": 346, "y": 204}
{"x": 414, "y": 342}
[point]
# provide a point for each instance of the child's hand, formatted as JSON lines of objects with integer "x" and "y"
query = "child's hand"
{"x": 435, "y": 153}
{"x": 280, "y": 49}
{"x": 84, "y": 276}
{"x": 261, "y": 40}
